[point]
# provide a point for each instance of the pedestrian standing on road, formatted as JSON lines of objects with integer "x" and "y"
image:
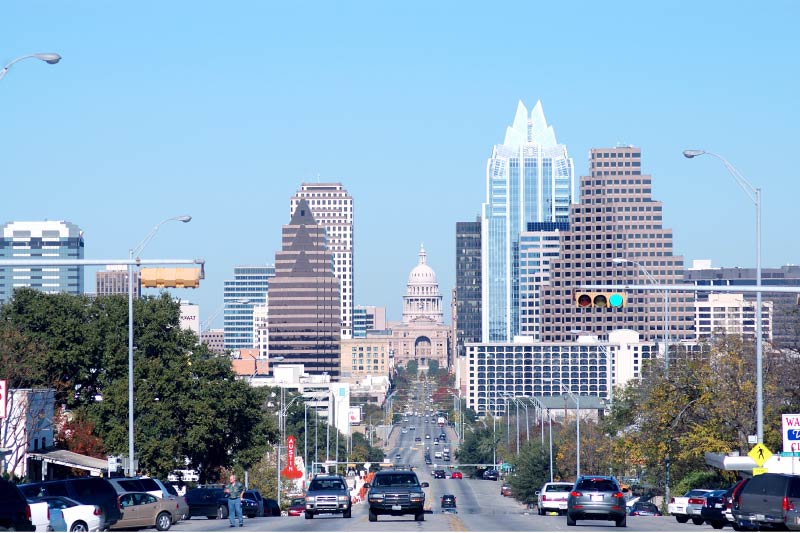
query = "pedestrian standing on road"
{"x": 235, "y": 492}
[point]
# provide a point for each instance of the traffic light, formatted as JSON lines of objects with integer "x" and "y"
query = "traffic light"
{"x": 179, "y": 278}
{"x": 615, "y": 300}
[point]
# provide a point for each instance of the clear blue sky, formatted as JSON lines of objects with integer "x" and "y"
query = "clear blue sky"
{"x": 220, "y": 110}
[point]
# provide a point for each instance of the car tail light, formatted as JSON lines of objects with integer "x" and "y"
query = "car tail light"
{"x": 635, "y": 513}
{"x": 544, "y": 497}
{"x": 28, "y": 512}
{"x": 97, "y": 511}
{"x": 617, "y": 495}
{"x": 48, "y": 512}
{"x": 787, "y": 505}
{"x": 575, "y": 494}
{"x": 697, "y": 501}
{"x": 672, "y": 500}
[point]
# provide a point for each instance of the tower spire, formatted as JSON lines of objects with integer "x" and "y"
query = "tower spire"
{"x": 421, "y": 254}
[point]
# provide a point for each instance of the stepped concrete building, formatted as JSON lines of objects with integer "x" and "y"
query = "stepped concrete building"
{"x": 303, "y": 305}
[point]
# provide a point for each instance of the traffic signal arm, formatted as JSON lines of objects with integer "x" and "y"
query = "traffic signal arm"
{"x": 179, "y": 278}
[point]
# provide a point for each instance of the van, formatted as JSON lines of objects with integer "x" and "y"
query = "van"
{"x": 769, "y": 500}
{"x": 88, "y": 490}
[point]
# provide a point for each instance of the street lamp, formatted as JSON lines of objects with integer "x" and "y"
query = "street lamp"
{"x": 50, "y": 59}
{"x": 649, "y": 276}
{"x": 577, "y": 400}
{"x": 754, "y": 194}
{"x": 135, "y": 252}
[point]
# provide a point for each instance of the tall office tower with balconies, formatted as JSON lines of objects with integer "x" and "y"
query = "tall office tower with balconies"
{"x": 467, "y": 316}
{"x": 241, "y": 295}
{"x": 529, "y": 178}
{"x": 114, "y": 280}
{"x": 303, "y": 305}
{"x": 332, "y": 208}
{"x": 617, "y": 218}
{"x": 41, "y": 240}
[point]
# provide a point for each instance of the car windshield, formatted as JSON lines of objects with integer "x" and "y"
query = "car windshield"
{"x": 598, "y": 485}
{"x": 298, "y": 502}
{"x": 390, "y": 480}
{"x": 566, "y": 487}
{"x": 326, "y": 484}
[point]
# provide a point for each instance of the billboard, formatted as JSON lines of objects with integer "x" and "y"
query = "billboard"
{"x": 355, "y": 415}
{"x": 791, "y": 433}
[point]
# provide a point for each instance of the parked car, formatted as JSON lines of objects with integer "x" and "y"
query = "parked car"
{"x": 67, "y": 514}
{"x": 14, "y": 513}
{"x": 505, "y": 489}
{"x": 713, "y": 511}
{"x": 271, "y": 507}
{"x": 153, "y": 486}
{"x": 252, "y": 494}
{"x": 491, "y": 474}
{"x": 88, "y": 490}
{"x": 553, "y": 497}
{"x": 142, "y": 510}
{"x": 644, "y": 509}
{"x": 328, "y": 494}
{"x": 212, "y": 502}
{"x": 768, "y": 500}
{"x": 679, "y": 506}
{"x": 297, "y": 507}
{"x": 456, "y": 475}
{"x": 596, "y": 498}
{"x": 39, "y": 513}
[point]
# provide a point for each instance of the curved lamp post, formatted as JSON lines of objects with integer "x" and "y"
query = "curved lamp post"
{"x": 135, "y": 252}
{"x": 754, "y": 193}
{"x": 49, "y": 58}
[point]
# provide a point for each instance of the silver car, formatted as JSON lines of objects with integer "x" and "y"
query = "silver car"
{"x": 596, "y": 498}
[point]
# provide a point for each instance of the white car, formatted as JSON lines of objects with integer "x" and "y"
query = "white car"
{"x": 553, "y": 497}
{"x": 682, "y": 509}
{"x": 68, "y": 515}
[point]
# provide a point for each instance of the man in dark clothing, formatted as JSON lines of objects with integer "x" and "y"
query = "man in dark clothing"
{"x": 235, "y": 492}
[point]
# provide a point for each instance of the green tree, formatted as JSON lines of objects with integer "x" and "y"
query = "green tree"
{"x": 532, "y": 470}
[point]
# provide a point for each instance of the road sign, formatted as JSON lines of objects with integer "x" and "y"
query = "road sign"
{"x": 791, "y": 432}
{"x": 759, "y": 471}
{"x": 760, "y": 454}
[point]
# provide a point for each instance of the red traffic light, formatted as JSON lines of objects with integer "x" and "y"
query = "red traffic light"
{"x": 584, "y": 300}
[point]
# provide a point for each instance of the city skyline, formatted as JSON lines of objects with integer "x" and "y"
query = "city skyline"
{"x": 147, "y": 118}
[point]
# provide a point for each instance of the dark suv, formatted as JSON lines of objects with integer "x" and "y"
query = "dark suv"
{"x": 88, "y": 490}
{"x": 14, "y": 514}
{"x": 596, "y": 498}
{"x": 396, "y": 493}
{"x": 768, "y": 500}
{"x": 212, "y": 502}
{"x": 328, "y": 494}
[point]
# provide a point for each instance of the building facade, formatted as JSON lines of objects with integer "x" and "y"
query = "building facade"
{"x": 332, "y": 208}
{"x": 467, "y": 316}
{"x": 363, "y": 357}
{"x": 367, "y": 318}
{"x": 785, "y": 315}
{"x": 529, "y": 178}
{"x": 214, "y": 339}
{"x": 41, "y": 240}
{"x": 617, "y": 218}
{"x": 731, "y": 314}
{"x": 538, "y": 246}
{"x": 241, "y": 295}
{"x": 303, "y": 306}
{"x": 422, "y": 336}
{"x": 114, "y": 280}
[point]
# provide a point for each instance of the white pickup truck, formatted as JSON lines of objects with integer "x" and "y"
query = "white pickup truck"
{"x": 682, "y": 509}
{"x": 553, "y": 497}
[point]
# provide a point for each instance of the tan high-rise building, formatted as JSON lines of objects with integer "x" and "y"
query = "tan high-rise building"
{"x": 332, "y": 208}
{"x": 616, "y": 218}
{"x": 114, "y": 280}
{"x": 303, "y": 305}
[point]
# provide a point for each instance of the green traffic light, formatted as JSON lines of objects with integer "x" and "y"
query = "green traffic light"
{"x": 615, "y": 300}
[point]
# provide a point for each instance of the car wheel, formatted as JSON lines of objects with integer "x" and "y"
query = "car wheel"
{"x": 79, "y": 526}
{"x": 737, "y": 527}
{"x": 682, "y": 518}
{"x": 570, "y": 520}
{"x": 716, "y": 524}
{"x": 419, "y": 517}
{"x": 372, "y": 516}
{"x": 222, "y": 512}
{"x": 622, "y": 522}
{"x": 309, "y": 515}
{"x": 348, "y": 513}
{"x": 697, "y": 521}
{"x": 163, "y": 521}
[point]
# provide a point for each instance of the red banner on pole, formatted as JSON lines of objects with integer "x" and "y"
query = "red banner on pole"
{"x": 290, "y": 471}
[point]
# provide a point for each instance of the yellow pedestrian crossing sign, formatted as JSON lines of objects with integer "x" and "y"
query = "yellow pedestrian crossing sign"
{"x": 760, "y": 454}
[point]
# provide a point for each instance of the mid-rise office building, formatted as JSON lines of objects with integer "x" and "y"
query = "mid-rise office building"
{"x": 303, "y": 304}
{"x": 214, "y": 339}
{"x": 367, "y": 318}
{"x": 39, "y": 240}
{"x": 731, "y": 314}
{"x": 362, "y": 357}
{"x": 529, "y": 178}
{"x": 114, "y": 280}
{"x": 467, "y": 315}
{"x": 241, "y": 295}
{"x": 784, "y": 304}
{"x": 616, "y": 218}
{"x": 332, "y": 208}
{"x": 538, "y": 246}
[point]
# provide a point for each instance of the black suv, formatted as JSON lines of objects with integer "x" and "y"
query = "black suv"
{"x": 88, "y": 490}
{"x": 439, "y": 474}
{"x": 328, "y": 494}
{"x": 396, "y": 493}
{"x": 14, "y": 509}
{"x": 212, "y": 502}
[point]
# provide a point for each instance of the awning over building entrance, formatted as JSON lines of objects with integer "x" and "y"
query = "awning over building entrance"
{"x": 94, "y": 466}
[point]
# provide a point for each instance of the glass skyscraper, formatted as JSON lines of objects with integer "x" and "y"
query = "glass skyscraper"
{"x": 242, "y": 294}
{"x": 529, "y": 178}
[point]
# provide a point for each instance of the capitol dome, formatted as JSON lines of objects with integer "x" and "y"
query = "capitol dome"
{"x": 422, "y": 299}
{"x": 422, "y": 274}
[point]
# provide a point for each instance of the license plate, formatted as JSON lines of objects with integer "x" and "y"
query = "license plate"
{"x": 597, "y": 497}
{"x": 718, "y": 505}
{"x": 760, "y": 517}
{"x": 396, "y": 508}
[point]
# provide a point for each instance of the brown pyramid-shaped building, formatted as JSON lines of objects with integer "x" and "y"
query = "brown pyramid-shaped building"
{"x": 304, "y": 303}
